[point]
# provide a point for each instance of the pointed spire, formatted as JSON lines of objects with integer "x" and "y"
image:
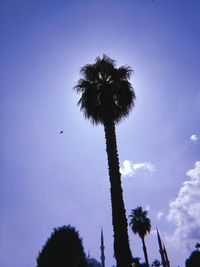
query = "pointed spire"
{"x": 166, "y": 256}
{"x": 102, "y": 249}
{"x": 161, "y": 249}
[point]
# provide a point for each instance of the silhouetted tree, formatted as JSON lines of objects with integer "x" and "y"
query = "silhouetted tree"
{"x": 136, "y": 262}
{"x": 63, "y": 249}
{"x": 106, "y": 98}
{"x": 141, "y": 225}
{"x": 156, "y": 263}
{"x": 92, "y": 262}
{"x": 194, "y": 259}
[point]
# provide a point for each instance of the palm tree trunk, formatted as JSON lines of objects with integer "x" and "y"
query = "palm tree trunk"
{"x": 145, "y": 252}
{"x": 121, "y": 242}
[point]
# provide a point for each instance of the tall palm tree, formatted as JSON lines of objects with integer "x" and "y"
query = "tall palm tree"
{"x": 107, "y": 97}
{"x": 141, "y": 225}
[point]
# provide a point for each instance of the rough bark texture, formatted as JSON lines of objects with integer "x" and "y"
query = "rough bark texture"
{"x": 121, "y": 242}
{"x": 145, "y": 252}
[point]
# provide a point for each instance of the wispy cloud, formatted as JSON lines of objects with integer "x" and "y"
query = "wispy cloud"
{"x": 159, "y": 215}
{"x": 184, "y": 211}
{"x": 147, "y": 166}
{"x": 194, "y": 138}
{"x": 129, "y": 169}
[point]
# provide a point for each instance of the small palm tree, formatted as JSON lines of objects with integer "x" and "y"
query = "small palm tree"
{"x": 141, "y": 225}
{"x": 106, "y": 98}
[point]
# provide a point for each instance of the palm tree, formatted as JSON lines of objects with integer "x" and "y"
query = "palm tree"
{"x": 106, "y": 98}
{"x": 141, "y": 225}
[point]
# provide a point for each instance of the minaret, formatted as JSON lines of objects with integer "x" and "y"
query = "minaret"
{"x": 166, "y": 256}
{"x": 161, "y": 250}
{"x": 102, "y": 250}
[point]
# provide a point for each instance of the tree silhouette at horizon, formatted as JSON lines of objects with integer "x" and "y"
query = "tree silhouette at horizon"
{"x": 63, "y": 248}
{"x": 156, "y": 263}
{"x": 107, "y": 97}
{"x": 140, "y": 224}
{"x": 194, "y": 259}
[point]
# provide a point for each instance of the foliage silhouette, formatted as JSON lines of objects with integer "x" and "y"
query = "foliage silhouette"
{"x": 156, "y": 263}
{"x": 93, "y": 262}
{"x": 106, "y": 98}
{"x": 194, "y": 259}
{"x": 63, "y": 249}
{"x": 136, "y": 263}
{"x": 141, "y": 225}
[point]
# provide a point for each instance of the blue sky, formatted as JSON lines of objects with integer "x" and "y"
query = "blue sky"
{"x": 48, "y": 179}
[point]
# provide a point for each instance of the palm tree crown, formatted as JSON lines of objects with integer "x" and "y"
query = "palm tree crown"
{"x": 105, "y": 91}
{"x": 140, "y": 223}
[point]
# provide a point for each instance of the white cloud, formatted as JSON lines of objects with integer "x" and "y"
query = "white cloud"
{"x": 126, "y": 168}
{"x": 184, "y": 211}
{"x": 194, "y": 138}
{"x": 145, "y": 166}
{"x": 159, "y": 215}
{"x": 129, "y": 169}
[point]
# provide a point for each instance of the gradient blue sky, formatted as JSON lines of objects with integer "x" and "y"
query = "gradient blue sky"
{"x": 48, "y": 179}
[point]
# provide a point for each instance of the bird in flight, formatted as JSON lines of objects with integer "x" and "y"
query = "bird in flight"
{"x": 61, "y": 132}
